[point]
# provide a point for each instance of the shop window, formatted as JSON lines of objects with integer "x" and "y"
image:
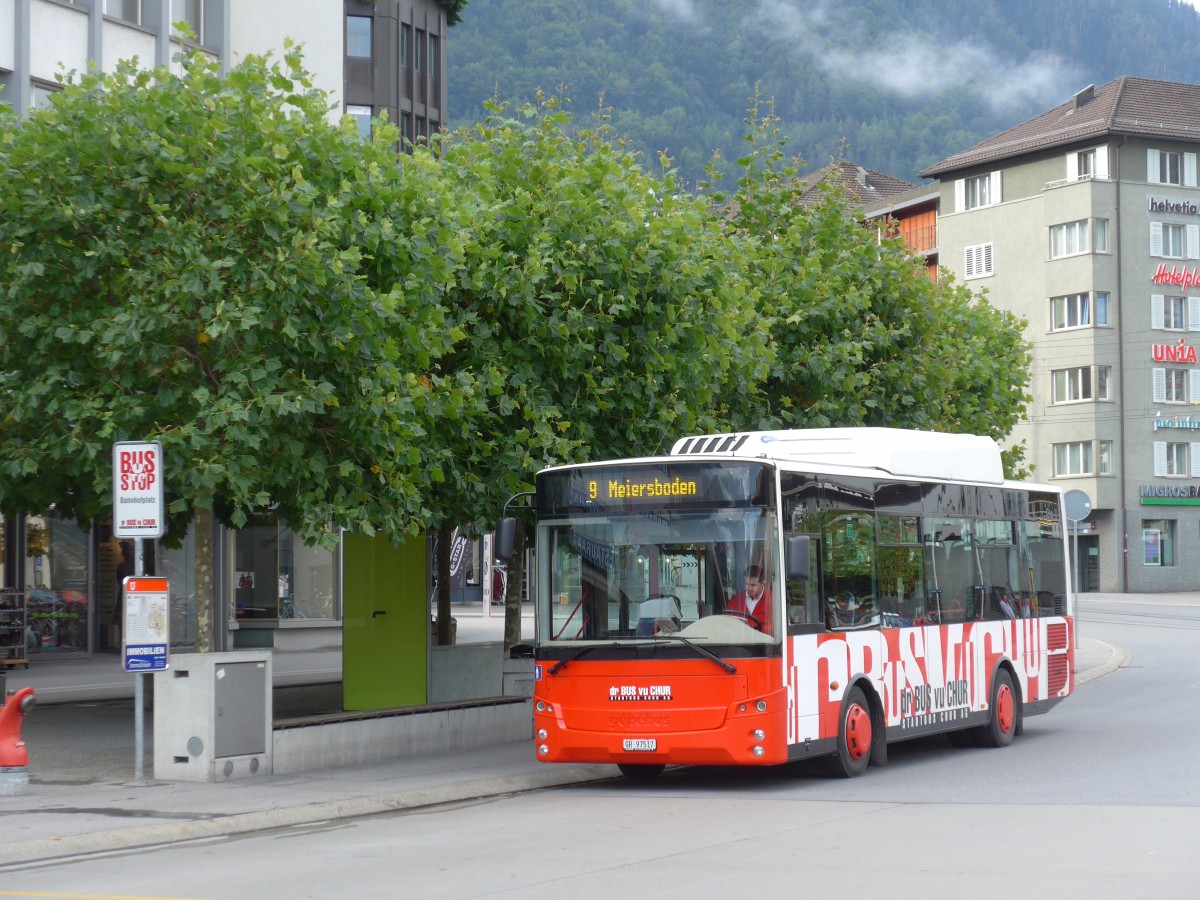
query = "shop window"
{"x": 1158, "y": 542}
{"x": 56, "y": 581}
{"x": 274, "y": 575}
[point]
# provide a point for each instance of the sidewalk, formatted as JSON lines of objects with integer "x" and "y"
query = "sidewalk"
{"x": 80, "y": 798}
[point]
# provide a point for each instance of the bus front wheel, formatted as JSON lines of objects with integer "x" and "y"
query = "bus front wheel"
{"x": 854, "y": 738}
{"x": 1006, "y": 713}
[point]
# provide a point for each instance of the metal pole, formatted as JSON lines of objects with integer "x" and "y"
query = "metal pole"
{"x": 139, "y": 689}
{"x": 1075, "y": 576}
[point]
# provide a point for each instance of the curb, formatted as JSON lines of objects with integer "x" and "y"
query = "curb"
{"x": 141, "y": 837}
{"x": 1118, "y": 659}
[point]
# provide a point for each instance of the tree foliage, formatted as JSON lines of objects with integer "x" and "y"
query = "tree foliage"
{"x": 602, "y": 308}
{"x": 858, "y": 334}
{"x": 193, "y": 259}
{"x": 319, "y": 328}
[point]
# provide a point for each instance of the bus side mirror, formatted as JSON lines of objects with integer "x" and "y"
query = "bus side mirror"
{"x": 796, "y": 558}
{"x": 506, "y": 532}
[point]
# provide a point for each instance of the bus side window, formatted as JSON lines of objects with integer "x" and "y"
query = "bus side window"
{"x": 949, "y": 571}
{"x": 848, "y": 569}
{"x": 900, "y": 565}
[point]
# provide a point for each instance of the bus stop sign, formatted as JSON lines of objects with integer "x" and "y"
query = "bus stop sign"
{"x": 138, "y": 489}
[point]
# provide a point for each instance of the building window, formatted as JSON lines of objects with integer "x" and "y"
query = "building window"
{"x": 1174, "y": 241}
{"x": 39, "y": 96}
{"x": 1175, "y": 385}
{"x": 1078, "y": 310}
{"x": 1158, "y": 542}
{"x": 1074, "y": 458}
{"x": 419, "y": 51}
{"x": 129, "y": 10}
{"x": 1176, "y": 457}
{"x": 434, "y": 51}
{"x": 1083, "y": 236}
{"x": 973, "y": 193}
{"x": 362, "y": 117}
{"x": 1077, "y": 458}
{"x": 1090, "y": 163}
{"x": 978, "y": 261}
{"x": 1169, "y": 167}
{"x": 191, "y": 12}
{"x": 406, "y": 46}
{"x": 358, "y": 37}
{"x": 1174, "y": 313}
{"x": 1081, "y": 383}
{"x": 1085, "y": 164}
{"x": 406, "y": 127}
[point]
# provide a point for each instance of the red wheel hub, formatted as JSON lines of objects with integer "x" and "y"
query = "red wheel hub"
{"x": 1005, "y": 708}
{"x": 858, "y": 732}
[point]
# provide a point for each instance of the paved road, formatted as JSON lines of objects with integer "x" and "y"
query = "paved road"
{"x": 1054, "y": 815}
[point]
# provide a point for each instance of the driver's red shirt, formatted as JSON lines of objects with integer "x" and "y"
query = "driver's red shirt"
{"x": 762, "y": 612}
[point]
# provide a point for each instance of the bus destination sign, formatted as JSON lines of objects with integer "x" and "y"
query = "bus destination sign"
{"x": 597, "y": 489}
{"x": 641, "y": 488}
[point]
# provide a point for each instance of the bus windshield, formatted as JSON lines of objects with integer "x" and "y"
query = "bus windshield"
{"x": 677, "y": 570}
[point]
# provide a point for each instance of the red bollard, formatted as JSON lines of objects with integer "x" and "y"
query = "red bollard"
{"x": 14, "y": 758}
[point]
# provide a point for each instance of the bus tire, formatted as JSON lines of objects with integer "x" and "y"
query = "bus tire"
{"x": 1005, "y": 714}
{"x": 641, "y": 772}
{"x": 854, "y": 738}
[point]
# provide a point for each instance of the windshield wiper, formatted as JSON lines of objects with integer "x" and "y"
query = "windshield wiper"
{"x": 703, "y": 651}
{"x": 578, "y": 653}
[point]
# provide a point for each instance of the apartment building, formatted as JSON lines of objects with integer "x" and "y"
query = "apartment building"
{"x": 1085, "y": 220}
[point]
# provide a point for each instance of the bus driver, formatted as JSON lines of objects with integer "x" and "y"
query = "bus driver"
{"x": 754, "y": 602}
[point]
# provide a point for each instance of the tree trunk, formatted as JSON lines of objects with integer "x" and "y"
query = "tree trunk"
{"x": 445, "y": 546}
{"x": 202, "y": 528}
{"x": 512, "y": 593}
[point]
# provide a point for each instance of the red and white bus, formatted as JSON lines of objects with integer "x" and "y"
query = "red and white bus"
{"x": 909, "y": 590}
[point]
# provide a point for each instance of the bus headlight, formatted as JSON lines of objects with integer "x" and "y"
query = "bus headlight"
{"x": 761, "y": 705}
{"x": 758, "y": 750}
{"x": 543, "y": 734}
{"x": 759, "y": 734}
{"x": 543, "y": 750}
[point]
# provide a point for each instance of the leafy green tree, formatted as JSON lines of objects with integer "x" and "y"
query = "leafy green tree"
{"x": 859, "y": 335}
{"x": 604, "y": 308}
{"x": 196, "y": 259}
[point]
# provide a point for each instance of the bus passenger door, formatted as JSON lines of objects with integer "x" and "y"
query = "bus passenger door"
{"x": 805, "y": 611}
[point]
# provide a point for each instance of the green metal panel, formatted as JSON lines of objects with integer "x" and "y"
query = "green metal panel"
{"x": 385, "y": 616}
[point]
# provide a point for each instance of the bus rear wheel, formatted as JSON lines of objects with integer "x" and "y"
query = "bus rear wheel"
{"x": 641, "y": 772}
{"x": 1006, "y": 714}
{"x": 854, "y": 738}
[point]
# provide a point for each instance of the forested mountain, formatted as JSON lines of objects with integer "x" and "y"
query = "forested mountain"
{"x": 893, "y": 85}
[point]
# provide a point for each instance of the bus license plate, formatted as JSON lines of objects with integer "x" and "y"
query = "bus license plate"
{"x": 640, "y": 744}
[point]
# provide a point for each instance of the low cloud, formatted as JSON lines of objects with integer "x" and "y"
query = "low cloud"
{"x": 683, "y": 10}
{"x": 914, "y": 64}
